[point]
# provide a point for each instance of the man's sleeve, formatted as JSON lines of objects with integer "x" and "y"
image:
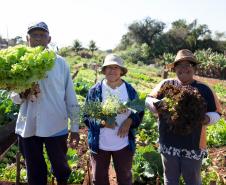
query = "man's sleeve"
{"x": 72, "y": 105}
{"x": 15, "y": 97}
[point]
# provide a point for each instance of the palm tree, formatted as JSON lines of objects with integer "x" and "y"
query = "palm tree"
{"x": 77, "y": 46}
{"x": 92, "y": 46}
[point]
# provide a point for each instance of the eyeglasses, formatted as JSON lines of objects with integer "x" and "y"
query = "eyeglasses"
{"x": 38, "y": 36}
{"x": 182, "y": 66}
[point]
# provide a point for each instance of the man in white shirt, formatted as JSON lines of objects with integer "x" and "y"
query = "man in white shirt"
{"x": 43, "y": 116}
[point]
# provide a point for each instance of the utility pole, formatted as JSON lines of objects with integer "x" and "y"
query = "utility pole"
{"x": 7, "y": 36}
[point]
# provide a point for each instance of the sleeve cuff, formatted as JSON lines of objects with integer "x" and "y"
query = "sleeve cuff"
{"x": 149, "y": 104}
{"x": 74, "y": 128}
{"x": 214, "y": 117}
{"x": 16, "y": 98}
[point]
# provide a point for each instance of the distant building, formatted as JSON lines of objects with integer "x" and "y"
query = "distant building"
{"x": 3, "y": 43}
{"x": 11, "y": 42}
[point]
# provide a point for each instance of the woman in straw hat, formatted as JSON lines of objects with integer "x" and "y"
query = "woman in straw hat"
{"x": 115, "y": 140}
{"x": 183, "y": 154}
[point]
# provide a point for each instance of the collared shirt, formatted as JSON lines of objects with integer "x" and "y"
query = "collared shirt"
{"x": 48, "y": 115}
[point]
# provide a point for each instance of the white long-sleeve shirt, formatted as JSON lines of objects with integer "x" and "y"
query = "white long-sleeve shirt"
{"x": 49, "y": 114}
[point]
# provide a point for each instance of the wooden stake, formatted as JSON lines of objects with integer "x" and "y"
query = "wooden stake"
{"x": 18, "y": 155}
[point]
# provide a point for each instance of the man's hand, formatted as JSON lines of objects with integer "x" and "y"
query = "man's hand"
{"x": 73, "y": 139}
{"x": 124, "y": 129}
{"x": 31, "y": 94}
{"x": 24, "y": 95}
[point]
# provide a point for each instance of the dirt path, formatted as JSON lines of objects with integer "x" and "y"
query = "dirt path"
{"x": 210, "y": 81}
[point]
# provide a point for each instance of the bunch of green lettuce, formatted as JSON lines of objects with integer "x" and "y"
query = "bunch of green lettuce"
{"x": 112, "y": 106}
{"x": 21, "y": 66}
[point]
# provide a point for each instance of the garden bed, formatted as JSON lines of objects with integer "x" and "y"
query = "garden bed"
{"x": 218, "y": 156}
{"x": 78, "y": 160}
{"x": 6, "y": 130}
{"x": 7, "y": 136}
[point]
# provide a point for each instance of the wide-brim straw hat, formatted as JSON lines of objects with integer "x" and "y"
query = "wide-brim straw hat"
{"x": 183, "y": 54}
{"x": 113, "y": 59}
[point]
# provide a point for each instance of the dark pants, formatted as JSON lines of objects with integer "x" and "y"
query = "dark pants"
{"x": 122, "y": 160}
{"x": 32, "y": 150}
{"x": 175, "y": 166}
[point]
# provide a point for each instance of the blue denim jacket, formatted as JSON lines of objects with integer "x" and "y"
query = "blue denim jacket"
{"x": 95, "y": 94}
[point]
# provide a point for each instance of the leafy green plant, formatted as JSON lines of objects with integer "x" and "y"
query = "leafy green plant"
{"x": 182, "y": 107}
{"x": 8, "y": 167}
{"x": 82, "y": 87}
{"x": 148, "y": 130}
{"x": 77, "y": 175}
{"x": 216, "y": 134}
{"x": 147, "y": 165}
{"x": 21, "y": 66}
{"x": 210, "y": 176}
{"x": 167, "y": 58}
{"x": 8, "y": 110}
{"x": 140, "y": 76}
{"x": 109, "y": 109}
{"x": 220, "y": 89}
{"x": 212, "y": 64}
{"x": 136, "y": 53}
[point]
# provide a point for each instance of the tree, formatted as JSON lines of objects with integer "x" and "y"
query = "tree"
{"x": 219, "y": 35}
{"x": 19, "y": 40}
{"x": 185, "y": 35}
{"x": 142, "y": 32}
{"x": 146, "y": 31}
{"x": 77, "y": 46}
{"x": 181, "y": 35}
{"x": 181, "y": 23}
{"x": 196, "y": 33}
{"x": 124, "y": 43}
{"x": 92, "y": 46}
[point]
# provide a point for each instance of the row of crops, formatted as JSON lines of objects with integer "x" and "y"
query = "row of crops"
{"x": 8, "y": 166}
{"x": 147, "y": 163}
{"x": 147, "y": 167}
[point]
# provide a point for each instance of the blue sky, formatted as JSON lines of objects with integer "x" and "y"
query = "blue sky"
{"x": 104, "y": 21}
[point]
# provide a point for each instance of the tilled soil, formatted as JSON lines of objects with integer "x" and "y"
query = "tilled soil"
{"x": 218, "y": 156}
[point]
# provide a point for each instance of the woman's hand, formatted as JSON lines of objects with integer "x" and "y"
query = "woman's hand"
{"x": 158, "y": 104}
{"x": 124, "y": 129}
{"x": 107, "y": 125}
{"x": 206, "y": 120}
